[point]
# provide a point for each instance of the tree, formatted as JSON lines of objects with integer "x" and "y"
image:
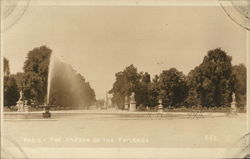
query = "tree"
{"x": 6, "y": 67}
{"x": 118, "y": 90}
{"x": 240, "y": 82}
{"x": 173, "y": 88}
{"x": 36, "y": 74}
{"x": 193, "y": 82}
{"x": 32, "y": 86}
{"x": 154, "y": 90}
{"x": 126, "y": 82}
{"x": 142, "y": 90}
{"x": 211, "y": 83}
{"x": 11, "y": 94}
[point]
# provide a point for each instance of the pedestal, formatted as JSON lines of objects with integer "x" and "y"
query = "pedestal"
{"x": 47, "y": 114}
{"x": 132, "y": 107}
{"x": 233, "y": 108}
{"x": 160, "y": 108}
{"x": 26, "y": 108}
{"x": 126, "y": 106}
{"x": 20, "y": 106}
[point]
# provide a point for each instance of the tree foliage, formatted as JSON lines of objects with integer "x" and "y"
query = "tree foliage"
{"x": 146, "y": 92}
{"x": 173, "y": 88}
{"x": 11, "y": 94}
{"x": 34, "y": 79}
{"x": 142, "y": 94}
{"x": 6, "y": 67}
{"x": 240, "y": 84}
{"x": 209, "y": 84}
{"x": 126, "y": 82}
{"x": 154, "y": 91}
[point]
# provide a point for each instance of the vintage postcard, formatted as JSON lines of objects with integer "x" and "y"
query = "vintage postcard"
{"x": 125, "y": 79}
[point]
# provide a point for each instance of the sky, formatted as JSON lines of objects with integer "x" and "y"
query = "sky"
{"x": 100, "y": 41}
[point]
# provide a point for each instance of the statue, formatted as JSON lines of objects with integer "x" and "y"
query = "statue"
{"x": 20, "y": 103}
{"x": 233, "y": 105}
{"x": 132, "y": 97}
{"x": 21, "y": 95}
{"x": 233, "y": 97}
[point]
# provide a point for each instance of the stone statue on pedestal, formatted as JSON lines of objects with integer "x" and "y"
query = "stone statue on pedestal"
{"x": 20, "y": 103}
{"x": 132, "y": 106}
{"x": 160, "y": 106}
{"x": 233, "y": 105}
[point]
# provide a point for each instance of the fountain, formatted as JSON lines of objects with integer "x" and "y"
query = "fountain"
{"x": 50, "y": 69}
{"x": 46, "y": 106}
{"x": 66, "y": 88}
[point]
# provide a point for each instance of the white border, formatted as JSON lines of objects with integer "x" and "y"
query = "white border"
{"x": 1, "y": 76}
{"x": 248, "y": 84}
{"x": 124, "y": 153}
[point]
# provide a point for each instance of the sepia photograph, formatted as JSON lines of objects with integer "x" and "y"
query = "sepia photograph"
{"x": 125, "y": 79}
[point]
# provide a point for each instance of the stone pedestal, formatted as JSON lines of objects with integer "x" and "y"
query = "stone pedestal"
{"x": 20, "y": 106}
{"x": 126, "y": 106}
{"x": 26, "y": 107}
{"x": 104, "y": 106}
{"x": 160, "y": 106}
{"x": 47, "y": 114}
{"x": 132, "y": 107}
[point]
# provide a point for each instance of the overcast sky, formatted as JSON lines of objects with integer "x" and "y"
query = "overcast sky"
{"x": 100, "y": 41}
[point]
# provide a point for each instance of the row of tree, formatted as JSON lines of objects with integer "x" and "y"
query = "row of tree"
{"x": 212, "y": 83}
{"x": 34, "y": 81}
